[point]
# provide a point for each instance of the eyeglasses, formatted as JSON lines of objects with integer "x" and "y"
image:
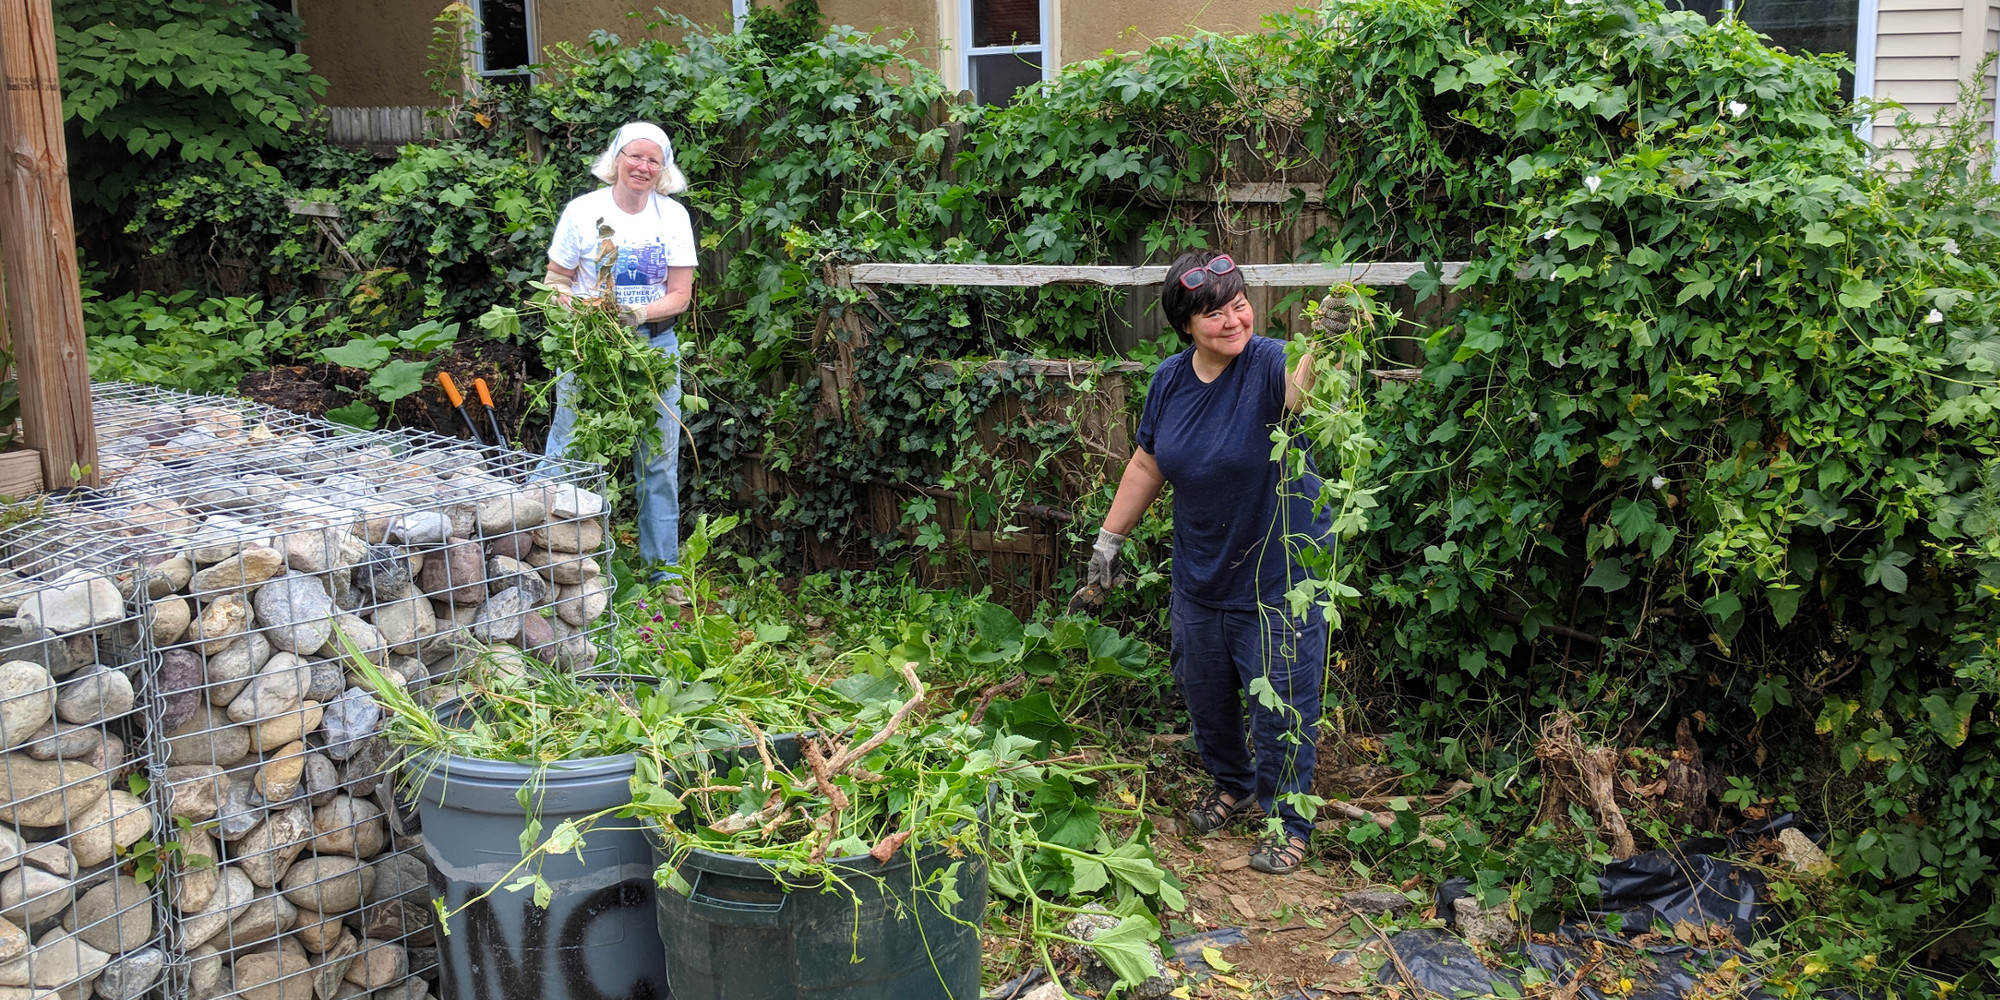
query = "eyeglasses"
{"x": 1198, "y": 277}
{"x": 641, "y": 161}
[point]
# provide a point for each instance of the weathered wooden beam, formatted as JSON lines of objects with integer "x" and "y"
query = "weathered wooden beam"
{"x": 38, "y": 250}
{"x": 1036, "y": 275}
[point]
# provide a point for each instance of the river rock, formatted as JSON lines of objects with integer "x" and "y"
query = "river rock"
{"x": 379, "y": 964}
{"x": 328, "y": 680}
{"x": 91, "y": 696}
{"x": 130, "y": 976}
{"x": 206, "y": 973}
{"x": 563, "y": 568}
{"x": 114, "y": 917}
{"x": 170, "y": 618}
{"x": 12, "y": 847}
{"x": 499, "y": 619}
{"x": 267, "y": 916}
{"x": 221, "y": 537}
{"x": 242, "y": 811}
{"x": 457, "y": 574}
{"x": 272, "y": 976}
{"x": 75, "y": 602}
{"x": 266, "y": 853}
{"x": 319, "y": 934}
{"x": 297, "y": 612}
{"x": 538, "y": 637}
{"x": 330, "y": 979}
{"x": 331, "y": 884}
{"x": 179, "y": 687}
{"x": 220, "y": 625}
{"x": 30, "y": 896}
{"x": 61, "y": 741}
{"x": 116, "y": 820}
{"x": 584, "y": 603}
{"x": 323, "y": 550}
{"x": 58, "y": 959}
{"x": 13, "y": 941}
{"x": 322, "y": 779}
{"x": 28, "y": 700}
{"x": 195, "y": 791}
{"x": 278, "y": 780}
{"x": 406, "y": 621}
{"x": 52, "y": 858}
{"x": 503, "y": 572}
{"x": 50, "y": 793}
{"x": 400, "y": 904}
{"x": 362, "y": 636}
{"x": 382, "y": 574}
{"x": 568, "y": 502}
{"x": 420, "y": 528}
{"x": 277, "y": 731}
{"x": 207, "y": 737}
{"x": 247, "y": 568}
{"x": 168, "y": 574}
{"x": 194, "y": 881}
{"x": 351, "y": 717}
{"x": 233, "y": 898}
{"x": 371, "y": 757}
{"x": 230, "y": 672}
{"x": 349, "y": 825}
{"x": 276, "y": 690}
{"x": 571, "y": 536}
{"x": 24, "y": 640}
{"x": 510, "y": 513}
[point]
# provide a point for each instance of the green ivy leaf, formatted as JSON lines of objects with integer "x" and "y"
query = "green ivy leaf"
{"x": 1608, "y": 575}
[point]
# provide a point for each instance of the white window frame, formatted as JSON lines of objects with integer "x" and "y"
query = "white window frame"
{"x": 479, "y": 66}
{"x": 739, "y": 13}
{"x": 1867, "y": 29}
{"x": 1048, "y": 46}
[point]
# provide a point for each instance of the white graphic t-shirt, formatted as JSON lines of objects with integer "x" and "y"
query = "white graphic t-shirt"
{"x": 658, "y": 237}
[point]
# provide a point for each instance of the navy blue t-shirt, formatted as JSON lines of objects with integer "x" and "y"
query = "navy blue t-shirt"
{"x": 1212, "y": 441}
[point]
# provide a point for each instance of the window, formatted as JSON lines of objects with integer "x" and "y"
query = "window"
{"x": 505, "y": 45}
{"x": 1797, "y": 26}
{"x": 1007, "y": 47}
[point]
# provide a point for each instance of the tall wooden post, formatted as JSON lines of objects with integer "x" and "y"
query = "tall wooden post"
{"x": 38, "y": 249}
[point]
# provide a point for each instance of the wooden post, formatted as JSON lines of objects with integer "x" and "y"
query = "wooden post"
{"x": 38, "y": 249}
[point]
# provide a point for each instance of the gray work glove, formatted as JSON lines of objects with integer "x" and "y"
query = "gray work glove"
{"x": 1104, "y": 559}
{"x": 632, "y": 316}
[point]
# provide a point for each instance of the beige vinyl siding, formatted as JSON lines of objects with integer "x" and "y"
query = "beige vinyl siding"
{"x": 1924, "y": 49}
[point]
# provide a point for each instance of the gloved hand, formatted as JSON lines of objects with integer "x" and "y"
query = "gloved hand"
{"x": 1103, "y": 569}
{"x": 632, "y": 316}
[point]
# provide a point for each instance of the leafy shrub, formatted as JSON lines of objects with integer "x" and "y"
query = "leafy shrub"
{"x": 187, "y": 342}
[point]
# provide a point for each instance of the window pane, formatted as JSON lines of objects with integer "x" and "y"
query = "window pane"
{"x": 1797, "y": 26}
{"x": 505, "y": 23}
{"x": 1006, "y": 22}
{"x": 995, "y": 78}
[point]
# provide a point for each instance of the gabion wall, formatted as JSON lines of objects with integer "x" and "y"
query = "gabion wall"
{"x": 189, "y": 625}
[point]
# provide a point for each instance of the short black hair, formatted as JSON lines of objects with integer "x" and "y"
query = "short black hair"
{"x": 1181, "y": 303}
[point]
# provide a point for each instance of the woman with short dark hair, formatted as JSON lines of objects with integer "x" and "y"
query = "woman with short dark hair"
{"x": 1206, "y": 428}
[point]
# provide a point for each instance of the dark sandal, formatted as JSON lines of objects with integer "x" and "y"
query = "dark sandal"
{"x": 1212, "y": 813}
{"x": 1278, "y": 855}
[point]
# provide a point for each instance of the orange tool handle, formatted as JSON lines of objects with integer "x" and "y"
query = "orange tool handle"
{"x": 485, "y": 398}
{"x": 450, "y": 390}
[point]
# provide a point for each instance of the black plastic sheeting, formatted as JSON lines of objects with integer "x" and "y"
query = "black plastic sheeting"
{"x": 1442, "y": 963}
{"x": 1186, "y": 950}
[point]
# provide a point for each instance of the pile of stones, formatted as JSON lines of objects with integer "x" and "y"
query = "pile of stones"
{"x": 209, "y": 759}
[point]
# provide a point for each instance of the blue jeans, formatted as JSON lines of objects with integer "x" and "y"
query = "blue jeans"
{"x": 1216, "y": 655}
{"x": 658, "y": 471}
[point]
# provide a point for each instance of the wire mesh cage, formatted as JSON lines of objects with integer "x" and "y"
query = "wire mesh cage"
{"x": 78, "y": 834}
{"x": 260, "y": 553}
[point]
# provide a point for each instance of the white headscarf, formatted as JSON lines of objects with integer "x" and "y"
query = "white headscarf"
{"x": 671, "y": 180}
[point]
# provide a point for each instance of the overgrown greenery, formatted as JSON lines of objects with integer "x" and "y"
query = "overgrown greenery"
{"x": 1709, "y": 436}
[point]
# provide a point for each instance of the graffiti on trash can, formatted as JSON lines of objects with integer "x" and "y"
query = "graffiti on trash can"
{"x": 503, "y": 970}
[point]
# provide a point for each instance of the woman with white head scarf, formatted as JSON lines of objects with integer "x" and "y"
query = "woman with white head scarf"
{"x": 648, "y": 242}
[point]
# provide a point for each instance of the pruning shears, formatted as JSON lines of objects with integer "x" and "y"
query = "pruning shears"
{"x": 492, "y": 418}
{"x": 458, "y": 403}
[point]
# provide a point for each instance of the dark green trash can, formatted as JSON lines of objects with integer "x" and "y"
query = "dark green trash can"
{"x": 740, "y": 935}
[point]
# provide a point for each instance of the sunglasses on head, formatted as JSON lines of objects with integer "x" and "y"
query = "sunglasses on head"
{"x": 1198, "y": 277}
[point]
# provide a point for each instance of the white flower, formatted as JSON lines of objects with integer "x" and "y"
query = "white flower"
{"x": 1951, "y": 247}
{"x": 1551, "y": 234}
{"x": 1934, "y": 317}
{"x": 1593, "y": 182}
{"x": 1659, "y": 482}
{"x": 1736, "y": 109}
